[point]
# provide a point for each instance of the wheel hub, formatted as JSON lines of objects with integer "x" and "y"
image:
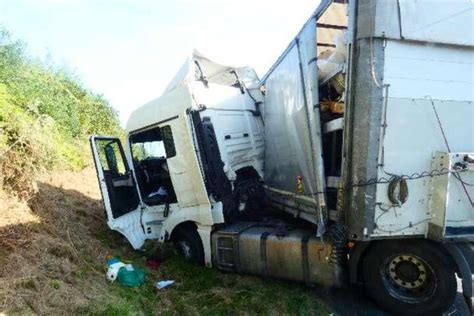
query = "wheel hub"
{"x": 407, "y": 271}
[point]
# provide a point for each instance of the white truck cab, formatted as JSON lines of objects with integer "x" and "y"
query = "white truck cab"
{"x": 184, "y": 154}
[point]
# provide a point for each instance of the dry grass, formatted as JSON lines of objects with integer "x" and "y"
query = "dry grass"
{"x": 48, "y": 241}
{"x": 15, "y": 220}
{"x": 53, "y": 249}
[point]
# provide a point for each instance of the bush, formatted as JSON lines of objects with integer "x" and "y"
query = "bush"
{"x": 46, "y": 116}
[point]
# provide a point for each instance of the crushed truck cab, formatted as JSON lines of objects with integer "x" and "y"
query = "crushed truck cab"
{"x": 183, "y": 155}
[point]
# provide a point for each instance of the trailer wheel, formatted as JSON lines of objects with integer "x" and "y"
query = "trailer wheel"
{"x": 410, "y": 277}
{"x": 187, "y": 242}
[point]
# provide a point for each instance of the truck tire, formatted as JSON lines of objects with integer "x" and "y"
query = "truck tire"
{"x": 187, "y": 242}
{"x": 410, "y": 277}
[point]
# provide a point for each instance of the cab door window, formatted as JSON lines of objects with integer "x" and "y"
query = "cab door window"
{"x": 150, "y": 151}
{"x": 118, "y": 178}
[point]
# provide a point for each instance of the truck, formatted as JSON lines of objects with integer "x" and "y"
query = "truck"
{"x": 351, "y": 161}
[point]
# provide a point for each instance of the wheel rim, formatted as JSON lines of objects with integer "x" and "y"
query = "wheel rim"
{"x": 409, "y": 278}
{"x": 185, "y": 249}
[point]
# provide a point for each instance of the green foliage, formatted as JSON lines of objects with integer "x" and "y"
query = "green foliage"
{"x": 139, "y": 152}
{"x": 55, "y": 284}
{"x": 46, "y": 116}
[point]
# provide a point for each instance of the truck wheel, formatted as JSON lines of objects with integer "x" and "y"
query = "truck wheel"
{"x": 188, "y": 244}
{"x": 410, "y": 277}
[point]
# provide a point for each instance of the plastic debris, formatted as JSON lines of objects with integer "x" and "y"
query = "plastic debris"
{"x": 163, "y": 284}
{"x": 126, "y": 274}
{"x": 331, "y": 62}
{"x": 114, "y": 267}
{"x": 132, "y": 278}
{"x": 129, "y": 267}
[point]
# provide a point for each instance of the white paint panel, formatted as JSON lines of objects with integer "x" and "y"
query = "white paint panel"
{"x": 412, "y": 136}
{"x": 415, "y": 70}
{"x": 413, "y": 131}
{"x": 239, "y": 133}
{"x": 440, "y": 21}
{"x": 420, "y": 77}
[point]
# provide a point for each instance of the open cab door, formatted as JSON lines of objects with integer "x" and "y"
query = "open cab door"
{"x": 119, "y": 190}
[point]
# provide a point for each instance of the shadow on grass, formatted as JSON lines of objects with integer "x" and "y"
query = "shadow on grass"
{"x": 73, "y": 232}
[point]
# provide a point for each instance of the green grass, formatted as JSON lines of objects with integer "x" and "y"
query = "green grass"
{"x": 200, "y": 290}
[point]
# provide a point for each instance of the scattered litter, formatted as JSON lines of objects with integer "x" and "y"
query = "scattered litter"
{"x": 135, "y": 277}
{"x": 114, "y": 267}
{"x": 162, "y": 284}
{"x": 126, "y": 274}
{"x": 128, "y": 267}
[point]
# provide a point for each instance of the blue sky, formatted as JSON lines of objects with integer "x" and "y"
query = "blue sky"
{"x": 129, "y": 50}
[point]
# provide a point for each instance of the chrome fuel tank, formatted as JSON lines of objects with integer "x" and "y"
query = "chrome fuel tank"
{"x": 273, "y": 251}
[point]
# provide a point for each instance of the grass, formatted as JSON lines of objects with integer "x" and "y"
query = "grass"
{"x": 53, "y": 261}
{"x": 200, "y": 290}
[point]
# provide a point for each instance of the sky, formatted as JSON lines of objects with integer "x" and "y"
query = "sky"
{"x": 128, "y": 50}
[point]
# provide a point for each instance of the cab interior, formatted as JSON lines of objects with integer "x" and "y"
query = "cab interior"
{"x": 150, "y": 150}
